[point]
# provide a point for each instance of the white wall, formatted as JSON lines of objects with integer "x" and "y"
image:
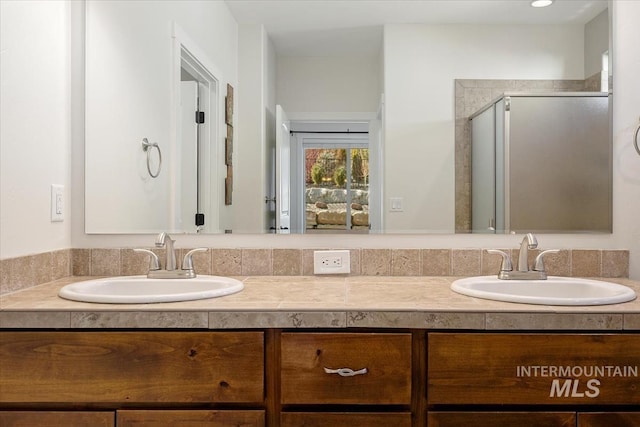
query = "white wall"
{"x": 328, "y": 84}
{"x": 626, "y": 110}
{"x": 249, "y": 148}
{"x": 596, "y": 37}
{"x": 128, "y": 74}
{"x": 421, "y": 63}
{"x": 35, "y": 144}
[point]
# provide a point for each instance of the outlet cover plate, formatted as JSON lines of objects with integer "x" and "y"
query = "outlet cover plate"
{"x": 331, "y": 262}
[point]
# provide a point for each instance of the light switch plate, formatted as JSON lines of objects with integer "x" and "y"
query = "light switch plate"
{"x": 397, "y": 204}
{"x": 57, "y": 203}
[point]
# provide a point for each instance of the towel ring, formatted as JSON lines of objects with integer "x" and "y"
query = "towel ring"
{"x": 146, "y": 147}
{"x": 635, "y": 139}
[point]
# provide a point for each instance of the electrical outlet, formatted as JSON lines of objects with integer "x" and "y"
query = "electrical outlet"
{"x": 331, "y": 262}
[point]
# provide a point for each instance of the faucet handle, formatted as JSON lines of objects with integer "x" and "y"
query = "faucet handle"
{"x": 187, "y": 262}
{"x": 539, "y": 263}
{"x": 154, "y": 261}
{"x": 506, "y": 259}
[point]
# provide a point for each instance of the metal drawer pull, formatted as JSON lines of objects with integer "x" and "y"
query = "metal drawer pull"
{"x": 346, "y": 372}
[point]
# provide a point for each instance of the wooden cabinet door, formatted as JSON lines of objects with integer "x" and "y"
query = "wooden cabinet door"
{"x": 56, "y": 419}
{"x": 530, "y": 369}
{"x": 131, "y": 367}
{"x": 190, "y": 418}
{"x": 380, "y": 363}
{"x": 501, "y": 419}
{"x": 317, "y": 419}
{"x": 609, "y": 419}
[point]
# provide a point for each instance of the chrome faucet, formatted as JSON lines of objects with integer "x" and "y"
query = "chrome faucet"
{"x": 528, "y": 242}
{"x": 170, "y": 270}
{"x": 164, "y": 240}
{"x": 537, "y": 272}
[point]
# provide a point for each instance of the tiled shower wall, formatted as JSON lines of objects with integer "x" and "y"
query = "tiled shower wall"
{"x": 24, "y": 272}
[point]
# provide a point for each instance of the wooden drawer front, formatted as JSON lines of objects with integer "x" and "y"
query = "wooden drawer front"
{"x": 317, "y": 419}
{"x": 501, "y": 419}
{"x": 186, "y": 418}
{"x": 55, "y": 419}
{"x": 132, "y": 367}
{"x": 387, "y": 358}
{"x": 613, "y": 419}
{"x": 533, "y": 369}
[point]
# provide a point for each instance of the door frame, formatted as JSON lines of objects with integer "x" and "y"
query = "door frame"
{"x": 375, "y": 122}
{"x": 188, "y": 54}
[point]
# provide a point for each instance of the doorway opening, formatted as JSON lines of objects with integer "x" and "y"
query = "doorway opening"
{"x": 331, "y": 177}
{"x": 196, "y": 151}
{"x": 328, "y": 173}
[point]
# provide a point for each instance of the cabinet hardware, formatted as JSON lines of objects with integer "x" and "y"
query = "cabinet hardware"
{"x": 346, "y": 372}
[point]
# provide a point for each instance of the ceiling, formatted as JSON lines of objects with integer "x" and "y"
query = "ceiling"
{"x": 349, "y": 27}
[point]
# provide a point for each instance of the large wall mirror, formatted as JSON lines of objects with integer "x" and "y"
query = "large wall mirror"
{"x": 374, "y": 100}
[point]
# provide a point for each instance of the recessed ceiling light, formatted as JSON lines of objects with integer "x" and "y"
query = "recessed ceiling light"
{"x": 541, "y": 3}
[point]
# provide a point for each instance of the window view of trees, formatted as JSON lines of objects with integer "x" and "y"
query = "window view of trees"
{"x": 329, "y": 204}
{"x": 327, "y": 167}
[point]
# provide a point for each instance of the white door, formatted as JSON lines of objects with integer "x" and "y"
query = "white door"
{"x": 187, "y": 158}
{"x": 283, "y": 176}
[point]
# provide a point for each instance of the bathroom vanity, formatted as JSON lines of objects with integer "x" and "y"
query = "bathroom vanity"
{"x": 293, "y": 351}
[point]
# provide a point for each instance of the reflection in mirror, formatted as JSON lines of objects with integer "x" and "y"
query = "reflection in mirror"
{"x": 431, "y": 77}
{"x": 194, "y": 160}
{"x": 336, "y": 186}
{"x": 146, "y": 77}
{"x": 324, "y": 176}
{"x": 557, "y": 208}
{"x": 332, "y": 183}
{"x": 542, "y": 163}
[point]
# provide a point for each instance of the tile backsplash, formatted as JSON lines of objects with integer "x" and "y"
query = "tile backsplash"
{"x": 23, "y": 272}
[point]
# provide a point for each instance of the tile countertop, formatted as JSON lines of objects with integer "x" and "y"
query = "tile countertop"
{"x": 317, "y": 302}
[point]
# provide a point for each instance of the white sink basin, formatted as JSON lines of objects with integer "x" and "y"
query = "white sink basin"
{"x": 553, "y": 291}
{"x": 140, "y": 289}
